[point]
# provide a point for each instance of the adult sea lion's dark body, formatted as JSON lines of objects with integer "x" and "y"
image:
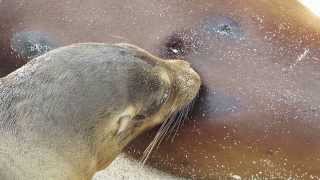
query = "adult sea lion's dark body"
{"x": 258, "y": 111}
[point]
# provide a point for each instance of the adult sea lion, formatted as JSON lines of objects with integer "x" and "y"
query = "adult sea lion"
{"x": 70, "y": 112}
{"x": 258, "y": 111}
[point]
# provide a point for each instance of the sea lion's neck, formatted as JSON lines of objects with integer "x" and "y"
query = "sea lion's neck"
{"x": 13, "y": 101}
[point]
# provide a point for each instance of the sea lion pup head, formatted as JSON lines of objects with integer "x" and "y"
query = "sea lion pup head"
{"x": 155, "y": 94}
{"x": 181, "y": 81}
{"x": 97, "y": 96}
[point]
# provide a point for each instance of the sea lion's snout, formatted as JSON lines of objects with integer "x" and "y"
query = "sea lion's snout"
{"x": 184, "y": 86}
{"x": 186, "y": 82}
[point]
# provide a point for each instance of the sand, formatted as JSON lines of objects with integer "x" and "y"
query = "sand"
{"x": 124, "y": 168}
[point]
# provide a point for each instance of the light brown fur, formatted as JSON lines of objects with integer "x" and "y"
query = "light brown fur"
{"x": 70, "y": 112}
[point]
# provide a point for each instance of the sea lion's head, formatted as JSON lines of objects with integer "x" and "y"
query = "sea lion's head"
{"x": 98, "y": 96}
{"x": 157, "y": 89}
{"x": 173, "y": 85}
{"x": 110, "y": 93}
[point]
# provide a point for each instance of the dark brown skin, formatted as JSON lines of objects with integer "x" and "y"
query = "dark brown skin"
{"x": 258, "y": 113}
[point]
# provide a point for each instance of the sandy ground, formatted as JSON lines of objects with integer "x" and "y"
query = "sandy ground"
{"x": 124, "y": 168}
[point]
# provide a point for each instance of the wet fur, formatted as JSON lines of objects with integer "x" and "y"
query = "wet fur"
{"x": 61, "y": 112}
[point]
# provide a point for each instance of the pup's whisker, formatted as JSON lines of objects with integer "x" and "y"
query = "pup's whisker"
{"x": 172, "y": 124}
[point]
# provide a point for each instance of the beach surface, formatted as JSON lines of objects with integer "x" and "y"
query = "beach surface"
{"x": 125, "y": 168}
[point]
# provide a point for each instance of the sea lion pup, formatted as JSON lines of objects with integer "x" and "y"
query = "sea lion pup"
{"x": 69, "y": 113}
